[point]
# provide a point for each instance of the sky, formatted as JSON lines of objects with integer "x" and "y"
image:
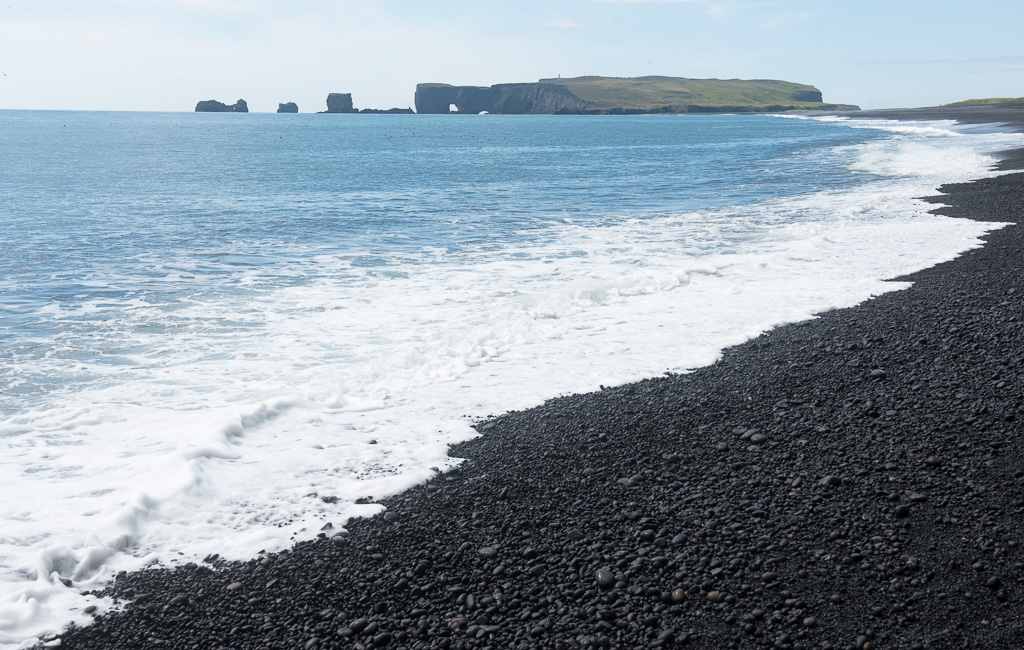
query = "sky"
{"x": 165, "y": 55}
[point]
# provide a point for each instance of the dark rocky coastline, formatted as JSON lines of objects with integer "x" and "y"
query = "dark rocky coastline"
{"x": 388, "y": 111}
{"x": 854, "y": 481}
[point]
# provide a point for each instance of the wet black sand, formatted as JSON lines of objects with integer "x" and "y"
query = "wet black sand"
{"x": 878, "y": 504}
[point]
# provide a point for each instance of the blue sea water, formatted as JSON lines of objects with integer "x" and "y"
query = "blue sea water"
{"x": 207, "y": 321}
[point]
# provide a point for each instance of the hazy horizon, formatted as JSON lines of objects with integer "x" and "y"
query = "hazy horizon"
{"x": 166, "y": 55}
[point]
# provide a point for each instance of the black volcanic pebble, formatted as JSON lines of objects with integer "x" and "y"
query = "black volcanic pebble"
{"x": 604, "y": 578}
{"x": 913, "y": 540}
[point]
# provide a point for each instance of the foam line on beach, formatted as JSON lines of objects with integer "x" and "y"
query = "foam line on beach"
{"x": 630, "y": 299}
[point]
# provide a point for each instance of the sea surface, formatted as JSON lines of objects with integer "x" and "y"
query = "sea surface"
{"x": 218, "y": 331}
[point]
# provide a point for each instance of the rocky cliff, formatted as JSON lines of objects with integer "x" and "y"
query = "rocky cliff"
{"x": 213, "y": 106}
{"x": 288, "y": 107}
{"x": 617, "y": 96}
{"x": 807, "y": 95}
{"x": 517, "y": 99}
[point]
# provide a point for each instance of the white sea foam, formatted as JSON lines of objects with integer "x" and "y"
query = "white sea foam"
{"x": 354, "y": 384}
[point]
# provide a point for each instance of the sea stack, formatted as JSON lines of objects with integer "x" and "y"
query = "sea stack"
{"x": 213, "y": 106}
{"x": 340, "y": 103}
{"x": 289, "y": 107}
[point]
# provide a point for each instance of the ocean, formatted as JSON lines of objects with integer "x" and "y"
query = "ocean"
{"x": 221, "y": 334}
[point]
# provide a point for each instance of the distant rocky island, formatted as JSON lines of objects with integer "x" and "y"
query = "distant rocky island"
{"x": 623, "y": 96}
{"x": 213, "y": 106}
{"x": 336, "y": 103}
{"x": 588, "y": 96}
{"x": 342, "y": 103}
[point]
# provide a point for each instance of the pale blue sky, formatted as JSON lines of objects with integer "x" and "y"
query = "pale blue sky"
{"x": 168, "y": 54}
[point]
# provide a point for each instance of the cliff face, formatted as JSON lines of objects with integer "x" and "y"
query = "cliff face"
{"x": 340, "y": 103}
{"x": 623, "y": 96}
{"x": 514, "y": 99}
{"x": 807, "y": 95}
{"x": 213, "y": 106}
{"x": 289, "y": 107}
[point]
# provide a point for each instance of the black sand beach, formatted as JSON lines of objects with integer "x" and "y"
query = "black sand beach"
{"x": 854, "y": 481}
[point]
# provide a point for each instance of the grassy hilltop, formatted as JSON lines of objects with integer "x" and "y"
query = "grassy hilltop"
{"x": 989, "y": 100}
{"x": 651, "y": 93}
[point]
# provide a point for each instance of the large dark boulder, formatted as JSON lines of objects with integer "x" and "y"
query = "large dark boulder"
{"x": 213, "y": 106}
{"x": 340, "y": 103}
{"x": 289, "y": 107}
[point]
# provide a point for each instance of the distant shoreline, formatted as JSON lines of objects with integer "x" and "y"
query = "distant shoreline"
{"x": 970, "y": 114}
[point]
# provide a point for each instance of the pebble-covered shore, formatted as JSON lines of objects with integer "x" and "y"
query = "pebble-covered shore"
{"x": 854, "y": 481}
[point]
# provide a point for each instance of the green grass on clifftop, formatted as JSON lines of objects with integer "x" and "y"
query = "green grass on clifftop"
{"x": 648, "y": 93}
{"x": 989, "y": 100}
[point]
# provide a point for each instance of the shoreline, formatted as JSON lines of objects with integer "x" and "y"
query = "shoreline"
{"x": 641, "y": 516}
{"x": 1012, "y": 116}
